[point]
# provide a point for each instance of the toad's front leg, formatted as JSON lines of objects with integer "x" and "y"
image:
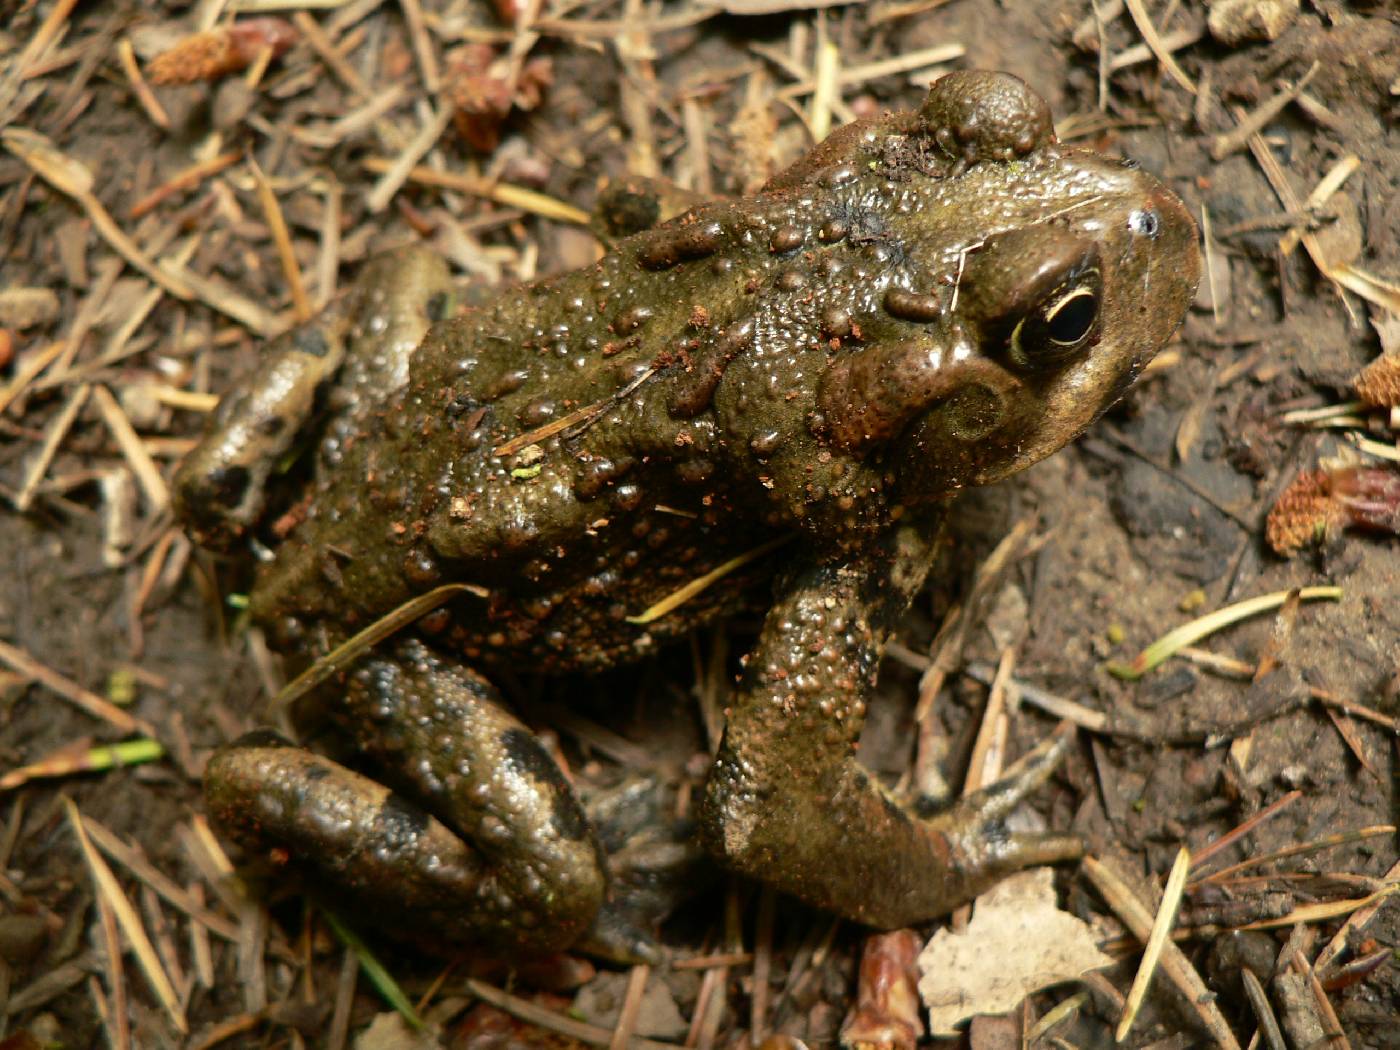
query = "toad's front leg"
{"x": 788, "y": 803}
{"x": 343, "y": 363}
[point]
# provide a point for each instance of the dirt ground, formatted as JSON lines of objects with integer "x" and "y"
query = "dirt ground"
{"x": 141, "y": 273}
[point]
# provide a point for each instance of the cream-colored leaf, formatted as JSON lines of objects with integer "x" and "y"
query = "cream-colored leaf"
{"x": 1017, "y": 942}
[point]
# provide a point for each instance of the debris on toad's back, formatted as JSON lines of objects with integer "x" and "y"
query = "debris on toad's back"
{"x": 1317, "y": 504}
{"x": 218, "y": 52}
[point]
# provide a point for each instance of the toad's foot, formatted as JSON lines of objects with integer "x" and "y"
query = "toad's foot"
{"x": 654, "y": 863}
{"x": 981, "y": 849}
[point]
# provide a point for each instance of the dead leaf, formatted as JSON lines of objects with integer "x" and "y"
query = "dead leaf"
{"x": 389, "y": 1031}
{"x": 1387, "y": 326}
{"x": 1341, "y": 240}
{"x": 1017, "y": 942}
{"x": 1188, "y": 431}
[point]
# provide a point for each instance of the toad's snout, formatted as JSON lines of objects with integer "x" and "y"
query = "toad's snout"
{"x": 1175, "y": 270}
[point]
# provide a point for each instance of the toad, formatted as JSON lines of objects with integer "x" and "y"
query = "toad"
{"x": 775, "y": 398}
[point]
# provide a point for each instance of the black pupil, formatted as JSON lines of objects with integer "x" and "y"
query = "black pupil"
{"x": 1071, "y": 321}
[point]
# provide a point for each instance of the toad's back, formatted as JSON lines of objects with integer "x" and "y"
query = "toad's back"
{"x": 589, "y": 444}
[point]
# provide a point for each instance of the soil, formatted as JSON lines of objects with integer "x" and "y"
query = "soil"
{"x": 1154, "y": 517}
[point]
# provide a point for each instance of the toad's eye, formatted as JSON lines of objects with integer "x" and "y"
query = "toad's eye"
{"x": 1062, "y": 323}
{"x": 1035, "y": 296}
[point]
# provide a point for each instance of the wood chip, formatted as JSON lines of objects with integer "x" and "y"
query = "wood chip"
{"x": 1140, "y": 53}
{"x": 282, "y": 240}
{"x": 500, "y": 192}
{"x": 398, "y": 172}
{"x": 1154, "y": 40}
{"x": 148, "y": 475}
{"x": 218, "y": 295}
{"x": 46, "y": 34}
{"x": 555, "y": 1022}
{"x": 184, "y": 179}
{"x": 1156, "y": 941}
{"x": 1173, "y": 963}
{"x": 126, "y": 56}
{"x": 422, "y": 44}
{"x": 131, "y": 858}
{"x": 110, "y": 891}
{"x": 1238, "y": 137}
{"x": 30, "y": 366}
{"x": 631, "y": 1002}
{"x": 75, "y": 694}
{"x": 54, "y": 433}
{"x": 1364, "y": 284}
{"x": 70, "y": 177}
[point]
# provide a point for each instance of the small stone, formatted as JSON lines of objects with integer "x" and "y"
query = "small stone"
{"x": 22, "y": 937}
{"x": 141, "y": 405}
{"x": 22, "y": 308}
{"x": 600, "y": 1002}
{"x": 233, "y": 100}
{"x": 1237, "y": 21}
{"x": 389, "y": 1031}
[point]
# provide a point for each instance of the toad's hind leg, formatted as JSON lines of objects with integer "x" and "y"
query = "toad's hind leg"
{"x": 493, "y": 847}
